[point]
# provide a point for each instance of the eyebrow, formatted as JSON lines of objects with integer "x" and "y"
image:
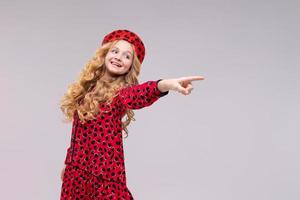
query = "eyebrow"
{"x": 126, "y": 51}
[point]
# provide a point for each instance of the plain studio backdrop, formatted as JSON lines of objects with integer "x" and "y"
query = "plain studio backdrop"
{"x": 236, "y": 136}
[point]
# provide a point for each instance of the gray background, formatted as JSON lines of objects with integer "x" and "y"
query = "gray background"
{"x": 236, "y": 136}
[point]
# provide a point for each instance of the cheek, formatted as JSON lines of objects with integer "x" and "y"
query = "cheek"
{"x": 128, "y": 63}
{"x": 106, "y": 61}
{"x": 127, "y": 66}
{"x": 109, "y": 55}
{"x": 107, "y": 58}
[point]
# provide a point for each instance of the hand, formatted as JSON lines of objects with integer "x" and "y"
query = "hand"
{"x": 62, "y": 173}
{"x": 182, "y": 85}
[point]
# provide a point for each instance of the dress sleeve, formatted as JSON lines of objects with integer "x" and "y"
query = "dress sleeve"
{"x": 68, "y": 156}
{"x": 141, "y": 95}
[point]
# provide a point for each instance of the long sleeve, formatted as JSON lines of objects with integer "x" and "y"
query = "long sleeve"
{"x": 68, "y": 156}
{"x": 141, "y": 95}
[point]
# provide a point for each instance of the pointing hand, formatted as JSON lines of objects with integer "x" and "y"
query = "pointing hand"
{"x": 182, "y": 85}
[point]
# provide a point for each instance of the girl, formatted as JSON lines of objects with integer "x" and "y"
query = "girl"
{"x": 107, "y": 90}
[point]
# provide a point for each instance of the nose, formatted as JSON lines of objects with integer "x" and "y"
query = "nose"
{"x": 117, "y": 56}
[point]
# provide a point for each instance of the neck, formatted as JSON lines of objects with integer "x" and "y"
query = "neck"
{"x": 108, "y": 78}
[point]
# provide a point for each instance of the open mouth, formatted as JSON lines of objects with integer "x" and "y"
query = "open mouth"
{"x": 115, "y": 64}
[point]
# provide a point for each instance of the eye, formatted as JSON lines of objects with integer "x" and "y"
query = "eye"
{"x": 114, "y": 50}
{"x": 128, "y": 56}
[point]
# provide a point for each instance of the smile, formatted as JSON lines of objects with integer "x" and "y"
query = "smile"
{"x": 116, "y": 64}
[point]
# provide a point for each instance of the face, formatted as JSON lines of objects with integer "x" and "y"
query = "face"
{"x": 118, "y": 59}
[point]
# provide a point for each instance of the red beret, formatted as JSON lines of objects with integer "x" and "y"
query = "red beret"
{"x": 129, "y": 37}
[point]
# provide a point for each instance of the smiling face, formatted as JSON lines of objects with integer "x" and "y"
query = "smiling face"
{"x": 118, "y": 59}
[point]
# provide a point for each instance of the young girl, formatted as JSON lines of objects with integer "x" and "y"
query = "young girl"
{"x": 107, "y": 90}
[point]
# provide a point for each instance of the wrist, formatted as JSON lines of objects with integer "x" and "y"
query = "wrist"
{"x": 162, "y": 85}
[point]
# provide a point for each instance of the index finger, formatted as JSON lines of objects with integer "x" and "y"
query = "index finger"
{"x": 192, "y": 78}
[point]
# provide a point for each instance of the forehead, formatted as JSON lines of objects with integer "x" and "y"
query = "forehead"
{"x": 124, "y": 45}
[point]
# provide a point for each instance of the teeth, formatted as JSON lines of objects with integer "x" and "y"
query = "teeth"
{"x": 115, "y": 64}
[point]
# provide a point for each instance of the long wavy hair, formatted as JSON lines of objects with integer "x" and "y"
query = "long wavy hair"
{"x": 89, "y": 90}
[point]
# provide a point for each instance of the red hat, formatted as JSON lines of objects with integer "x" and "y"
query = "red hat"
{"x": 129, "y": 37}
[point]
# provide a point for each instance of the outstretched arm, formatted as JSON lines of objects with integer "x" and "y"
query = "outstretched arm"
{"x": 182, "y": 85}
{"x": 141, "y": 95}
{"x": 145, "y": 94}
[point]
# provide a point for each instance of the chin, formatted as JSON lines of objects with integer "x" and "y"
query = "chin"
{"x": 116, "y": 74}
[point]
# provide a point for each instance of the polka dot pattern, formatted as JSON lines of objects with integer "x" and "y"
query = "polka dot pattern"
{"x": 96, "y": 155}
{"x": 79, "y": 184}
{"x": 129, "y": 37}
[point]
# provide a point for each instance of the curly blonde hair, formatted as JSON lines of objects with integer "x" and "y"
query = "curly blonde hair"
{"x": 85, "y": 94}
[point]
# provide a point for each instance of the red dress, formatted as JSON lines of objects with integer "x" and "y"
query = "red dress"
{"x": 95, "y": 167}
